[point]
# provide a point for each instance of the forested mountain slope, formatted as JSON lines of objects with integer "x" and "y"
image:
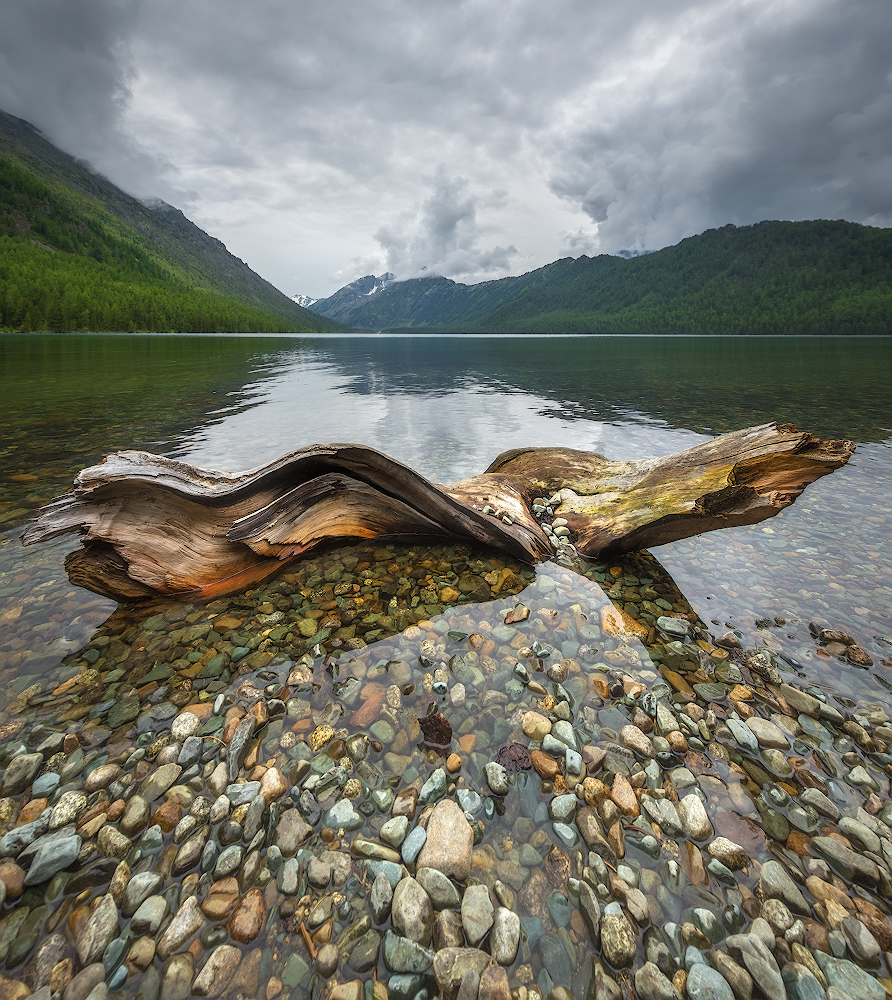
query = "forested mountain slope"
{"x": 77, "y": 253}
{"x": 817, "y": 277}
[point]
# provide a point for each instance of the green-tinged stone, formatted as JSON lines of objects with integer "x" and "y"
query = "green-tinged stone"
{"x": 123, "y": 711}
{"x": 158, "y": 673}
{"x": 213, "y": 667}
{"x": 296, "y": 972}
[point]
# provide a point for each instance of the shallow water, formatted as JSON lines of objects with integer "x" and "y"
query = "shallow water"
{"x": 447, "y": 407}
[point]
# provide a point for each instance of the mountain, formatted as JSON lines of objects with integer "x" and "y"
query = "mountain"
{"x": 303, "y": 300}
{"x": 354, "y": 294}
{"x": 816, "y": 277}
{"x": 78, "y": 253}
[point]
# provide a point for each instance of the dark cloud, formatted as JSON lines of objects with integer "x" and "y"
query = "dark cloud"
{"x": 457, "y": 130}
{"x": 781, "y": 112}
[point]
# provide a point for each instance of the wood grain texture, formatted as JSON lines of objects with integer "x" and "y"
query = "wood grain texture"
{"x": 151, "y": 525}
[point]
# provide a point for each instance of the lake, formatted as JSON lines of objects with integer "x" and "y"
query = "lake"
{"x": 91, "y": 691}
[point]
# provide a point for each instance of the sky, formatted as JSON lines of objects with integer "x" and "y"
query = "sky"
{"x": 322, "y": 141}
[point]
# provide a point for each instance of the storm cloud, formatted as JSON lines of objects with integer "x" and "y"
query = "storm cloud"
{"x": 463, "y": 137}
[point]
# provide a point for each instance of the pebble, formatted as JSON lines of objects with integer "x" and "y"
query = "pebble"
{"x": 704, "y": 983}
{"x": 618, "y": 940}
{"x": 412, "y": 914}
{"x": 218, "y": 970}
{"x": 449, "y": 842}
{"x": 477, "y": 913}
{"x": 242, "y": 839}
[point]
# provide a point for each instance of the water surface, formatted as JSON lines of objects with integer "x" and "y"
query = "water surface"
{"x": 446, "y": 406}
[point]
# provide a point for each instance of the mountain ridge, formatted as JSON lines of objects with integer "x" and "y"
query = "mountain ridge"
{"x": 810, "y": 277}
{"x": 77, "y": 252}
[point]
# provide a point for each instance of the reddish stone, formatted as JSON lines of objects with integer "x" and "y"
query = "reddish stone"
{"x": 373, "y": 696}
{"x": 167, "y": 815}
{"x": 13, "y": 876}
{"x": 221, "y": 900}
{"x": 247, "y": 921}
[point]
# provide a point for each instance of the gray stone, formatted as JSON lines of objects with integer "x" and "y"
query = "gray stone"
{"x": 342, "y": 816}
{"x": 801, "y": 983}
{"x": 848, "y": 978}
{"x": 664, "y": 814}
{"x": 403, "y": 955}
{"x": 776, "y": 883}
{"x": 19, "y": 773}
{"x": 364, "y": 953}
{"x": 591, "y": 912}
{"x": 556, "y": 959}
{"x": 846, "y": 863}
{"x": 157, "y": 783}
{"x": 442, "y": 893}
{"x": 862, "y": 945}
{"x": 380, "y": 898}
{"x": 238, "y": 747}
{"x": 694, "y": 819}
{"x": 190, "y": 753}
{"x": 476, "y": 913}
{"x": 819, "y": 801}
{"x": 53, "y": 857}
{"x": 139, "y": 888}
{"x": 85, "y": 982}
{"x": 228, "y": 861}
{"x": 97, "y": 931}
{"x": 288, "y": 877}
{"x": 651, "y": 984}
{"x": 176, "y": 979}
{"x": 858, "y": 832}
{"x": 504, "y": 937}
{"x": 411, "y": 913}
{"x": 243, "y": 792}
{"x": 496, "y": 778}
{"x": 434, "y": 788}
{"x": 778, "y": 915}
{"x": 744, "y": 735}
{"x": 562, "y": 808}
{"x": 187, "y": 920}
{"x": 450, "y": 965}
{"x": 412, "y": 845}
{"x": 44, "y": 786}
{"x": 767, "y": 733}
{"x": 704, "y": 983}
{"x": 760, "y": 963}
{"x": 218, "y": 971}
{"x": 394, "y": 831}
{"x": 14, "y": 842}
{"x": 149, "y": 915}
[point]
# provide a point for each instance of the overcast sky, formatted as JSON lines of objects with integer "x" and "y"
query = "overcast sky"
{"x": 322, "y": 141}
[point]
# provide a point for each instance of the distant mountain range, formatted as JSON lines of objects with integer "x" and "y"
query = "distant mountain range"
{"x": 78, "y": 253}
{"x": 817, "y": 277}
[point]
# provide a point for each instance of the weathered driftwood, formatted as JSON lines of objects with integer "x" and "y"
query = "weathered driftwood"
{"x": 152, "y": 526}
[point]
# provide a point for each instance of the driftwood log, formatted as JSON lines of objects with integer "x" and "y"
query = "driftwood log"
{"x": 154, "y": 526}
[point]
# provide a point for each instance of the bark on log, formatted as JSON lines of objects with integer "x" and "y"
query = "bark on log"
{"x": 152, "y": 525}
